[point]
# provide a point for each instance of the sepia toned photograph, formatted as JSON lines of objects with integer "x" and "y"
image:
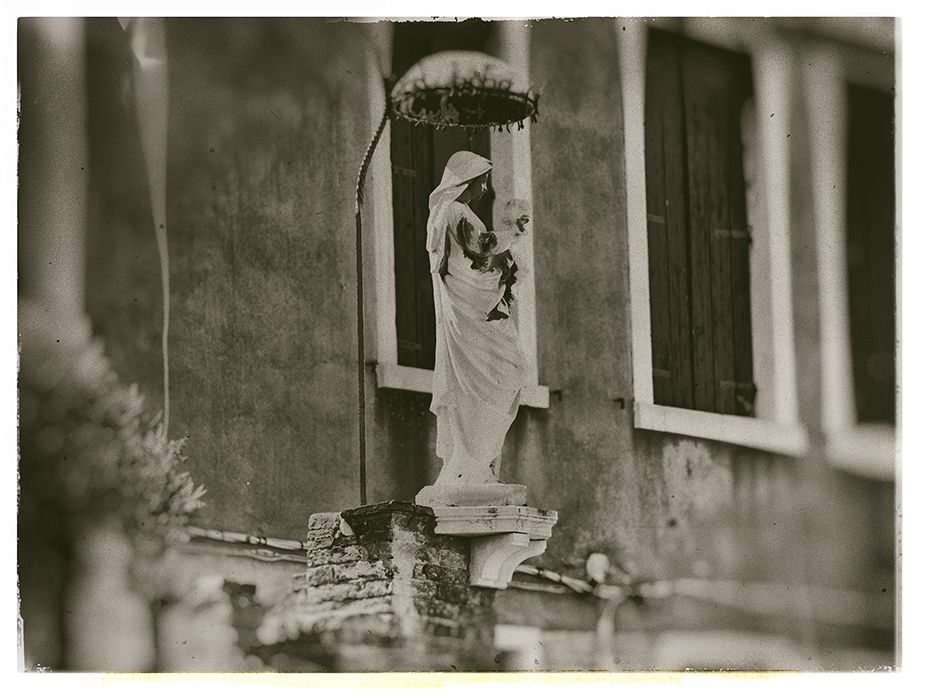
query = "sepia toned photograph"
{"x": 458, "y": 345}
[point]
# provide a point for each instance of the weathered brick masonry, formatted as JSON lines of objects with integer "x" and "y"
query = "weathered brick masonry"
{"x": 378, "y": 577}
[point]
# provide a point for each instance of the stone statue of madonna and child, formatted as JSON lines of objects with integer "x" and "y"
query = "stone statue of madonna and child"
{"x": 479, "y": 365}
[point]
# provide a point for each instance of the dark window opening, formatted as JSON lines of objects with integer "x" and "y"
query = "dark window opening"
{"x": 698, "y": 235}
{"x": 871, "y": 252}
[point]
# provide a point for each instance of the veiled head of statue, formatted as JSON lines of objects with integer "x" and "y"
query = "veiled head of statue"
{"x": 465, "y": 166}
{"x": 462, "y": 168}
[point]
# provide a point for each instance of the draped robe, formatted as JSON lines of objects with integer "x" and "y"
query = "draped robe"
{"x": 479, "y": 365}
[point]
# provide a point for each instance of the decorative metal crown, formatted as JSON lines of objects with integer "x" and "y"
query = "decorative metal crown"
{"x": 463, "y": 89}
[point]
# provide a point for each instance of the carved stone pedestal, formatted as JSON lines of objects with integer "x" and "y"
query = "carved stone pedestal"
{"x": 400, "y": 586}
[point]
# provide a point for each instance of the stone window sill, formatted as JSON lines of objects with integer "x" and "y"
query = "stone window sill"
{"x": 760, "y": 434}
{"x": 421, "y": 381}
{"x": 869, "y": 450}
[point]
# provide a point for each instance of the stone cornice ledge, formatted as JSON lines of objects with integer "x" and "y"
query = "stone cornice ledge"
{"x": 502, "y": 537}
{"x": 478, "y": 521}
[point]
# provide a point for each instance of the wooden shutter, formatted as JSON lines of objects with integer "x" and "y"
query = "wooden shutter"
{"x": 669, "y": 300}
{"x": 419, "y": 155}
{"x": 412, "y": 181}
{"x": 698, "y": 237}
{"x": 713, "y": 96}
{"x": 739, "y": 245}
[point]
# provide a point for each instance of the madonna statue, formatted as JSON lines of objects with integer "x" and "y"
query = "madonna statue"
{"x": 479, "y": 368}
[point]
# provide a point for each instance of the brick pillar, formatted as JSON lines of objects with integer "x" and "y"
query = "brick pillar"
{"x": 383, "y": 591}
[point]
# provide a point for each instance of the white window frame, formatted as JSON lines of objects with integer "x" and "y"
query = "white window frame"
{"x": 512, "y": 177}
{"x": 862, "y": 448}
{"x": 776, "y": 426}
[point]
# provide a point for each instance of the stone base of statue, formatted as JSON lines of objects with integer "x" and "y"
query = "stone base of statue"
{"x": 503, "y": 531}
{"x": 440, "y": 495}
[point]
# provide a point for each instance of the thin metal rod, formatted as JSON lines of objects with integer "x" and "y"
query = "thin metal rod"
{"x": 361, "y": 330}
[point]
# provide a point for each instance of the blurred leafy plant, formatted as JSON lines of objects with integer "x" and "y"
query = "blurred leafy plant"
{"x": 87, "y": 445}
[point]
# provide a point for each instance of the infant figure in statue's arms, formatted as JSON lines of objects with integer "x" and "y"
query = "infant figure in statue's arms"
{"x": 492, "y": 250}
